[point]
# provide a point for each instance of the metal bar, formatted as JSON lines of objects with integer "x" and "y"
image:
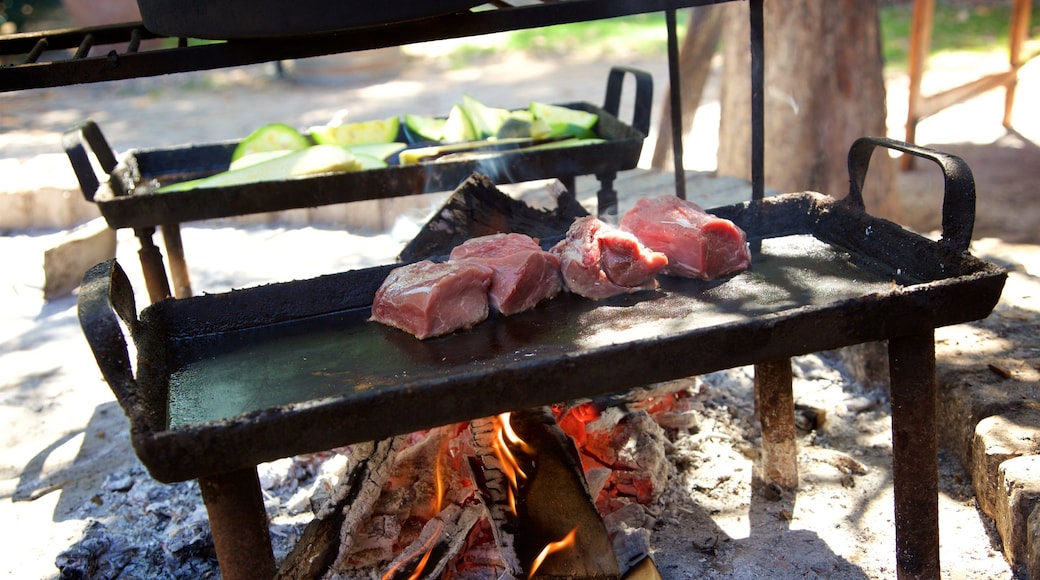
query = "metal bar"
{"x": 757, "y": 101}
{"x": 83, "y": 50}
{"x": 675, "y": 104}
{"x": 237, "y": 518}
{"x": 71, "y": 38}
{"x": 607, "y": 198}
{"x": 243, "y": 52}
{"x": 915, "y": 462}
{"x": 34, "y": 54}
{"x": 774, "y": 405}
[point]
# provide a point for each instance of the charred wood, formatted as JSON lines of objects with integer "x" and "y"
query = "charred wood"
{"x": 554, "y": 500}
{"x": 496, "y": 491}
{"x": 348, "y": 502}
{"x": 478, "y": 208}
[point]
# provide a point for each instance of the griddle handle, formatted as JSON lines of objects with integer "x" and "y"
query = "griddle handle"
{"x": 82, "y": 141}
{"x": 644, "y": 96}
{"x": 958, "y": 209}
{"x": 105, "y": 297}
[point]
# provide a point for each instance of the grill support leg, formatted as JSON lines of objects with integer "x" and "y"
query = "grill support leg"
{"x": 774, "y": 405}
{"x": 241, "y": 532}
{"x": 915, "y": 462}
{"x": 152, "y": 266}
{"x": 178, "y": 266}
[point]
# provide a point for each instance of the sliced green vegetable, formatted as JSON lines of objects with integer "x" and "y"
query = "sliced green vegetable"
{"x": 564, "y": 121}
{"x": 259, "y": 157}
{"x": 375, "y": 131}
{"x": 370, "y": 161}
{"x": 378, "y": 150}
{"x": 271, "y": 137}
{"x": 457, "y": 128}
{"x": 425, "y": 128}
{"x": 485, "y": 120}
{"x": 516, "y": 124}
{"x": 311, "y": 161}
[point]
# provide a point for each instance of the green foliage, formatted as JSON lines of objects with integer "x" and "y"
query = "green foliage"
{"x": 961, "y": 26}
{"x": 958, "y": 26}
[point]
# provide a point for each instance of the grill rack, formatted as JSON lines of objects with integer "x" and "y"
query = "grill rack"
{"x": 911, "y": 355}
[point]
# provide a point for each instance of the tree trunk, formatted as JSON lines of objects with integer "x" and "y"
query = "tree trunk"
{"x": 824, "y": 88}
{"x": 698, "y": 47}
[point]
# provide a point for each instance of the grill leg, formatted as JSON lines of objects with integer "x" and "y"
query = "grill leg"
{"x": 239, "y": 523}
{"x": 178, "y": 266}
{"x": 915, "y": 462}
{"x": 152, "y": 266}
{"x": 774, "y": 405}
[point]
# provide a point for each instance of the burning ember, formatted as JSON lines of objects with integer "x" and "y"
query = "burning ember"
{"x": 519, "y": 495}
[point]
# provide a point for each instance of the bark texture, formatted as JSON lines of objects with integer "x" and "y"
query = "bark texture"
{"x": 824, "y": 88}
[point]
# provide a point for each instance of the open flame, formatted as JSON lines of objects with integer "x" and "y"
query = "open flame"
{"x": 421, "y": 565}
{"x": 550, "y": 548}
{"x": 438, "y": 505}
{"x": 510, "y": 466}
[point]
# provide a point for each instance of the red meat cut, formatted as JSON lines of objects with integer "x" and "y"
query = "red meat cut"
{"x": 698, "y": 244}
{"x": 524, "y": 273}
{"x": 428, "y": 299}
{"x": 598, "y": 260}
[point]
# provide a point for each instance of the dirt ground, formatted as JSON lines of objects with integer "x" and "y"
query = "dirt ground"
{"x": 70, "y": 436}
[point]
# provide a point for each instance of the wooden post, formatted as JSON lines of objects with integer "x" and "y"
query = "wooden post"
{"x": 920, "y": 41}
{"x": 152, "y": 266}
{"x": 774, "y": 405}
{"x": 178, "y": 265}
{"x": 1020, "y": 13}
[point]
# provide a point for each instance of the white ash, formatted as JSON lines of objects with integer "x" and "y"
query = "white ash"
{"x": 140, "y": 528}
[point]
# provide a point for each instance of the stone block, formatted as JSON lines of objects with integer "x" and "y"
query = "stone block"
{"x": 1019, "y": 497}
{"x": 1032, "y": 558}
{"x": 999, "y": 438}
{"x": 65, "y": 264}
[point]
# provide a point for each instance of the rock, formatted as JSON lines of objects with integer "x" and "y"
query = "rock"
{"x": 1020, "y": 487}
{"x": 999, "y": 438}
{"x": 83, "y": 247}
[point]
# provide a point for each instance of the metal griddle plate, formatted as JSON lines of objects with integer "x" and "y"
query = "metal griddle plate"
{"x": 229, "y": 380}
{"x": 126, "y": 198}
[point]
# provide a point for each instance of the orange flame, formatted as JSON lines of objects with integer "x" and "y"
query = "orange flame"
{"x": 438, "y": 478}
{"x": 507, "y": 429}
{"x": 421, "y": 565}
{"x": 508, "y": 461}
{"x": 551, "y": 548}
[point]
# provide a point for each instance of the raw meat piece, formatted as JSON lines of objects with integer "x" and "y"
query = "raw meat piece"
{"x": 430, "y": 299}
{"x": 625, "y": 260}
{"x": 599, "y": 261}
{"x": 525, "y": 274}
{"x": 698, "y": 244}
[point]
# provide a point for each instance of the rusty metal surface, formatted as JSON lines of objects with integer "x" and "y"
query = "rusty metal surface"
{"x": 239, "y": 524}
{"x": 231, "y": 380}
{"x": 915, "y": 448}
{"x": 269, "y": 19}
{"x": 25, "y": 49}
